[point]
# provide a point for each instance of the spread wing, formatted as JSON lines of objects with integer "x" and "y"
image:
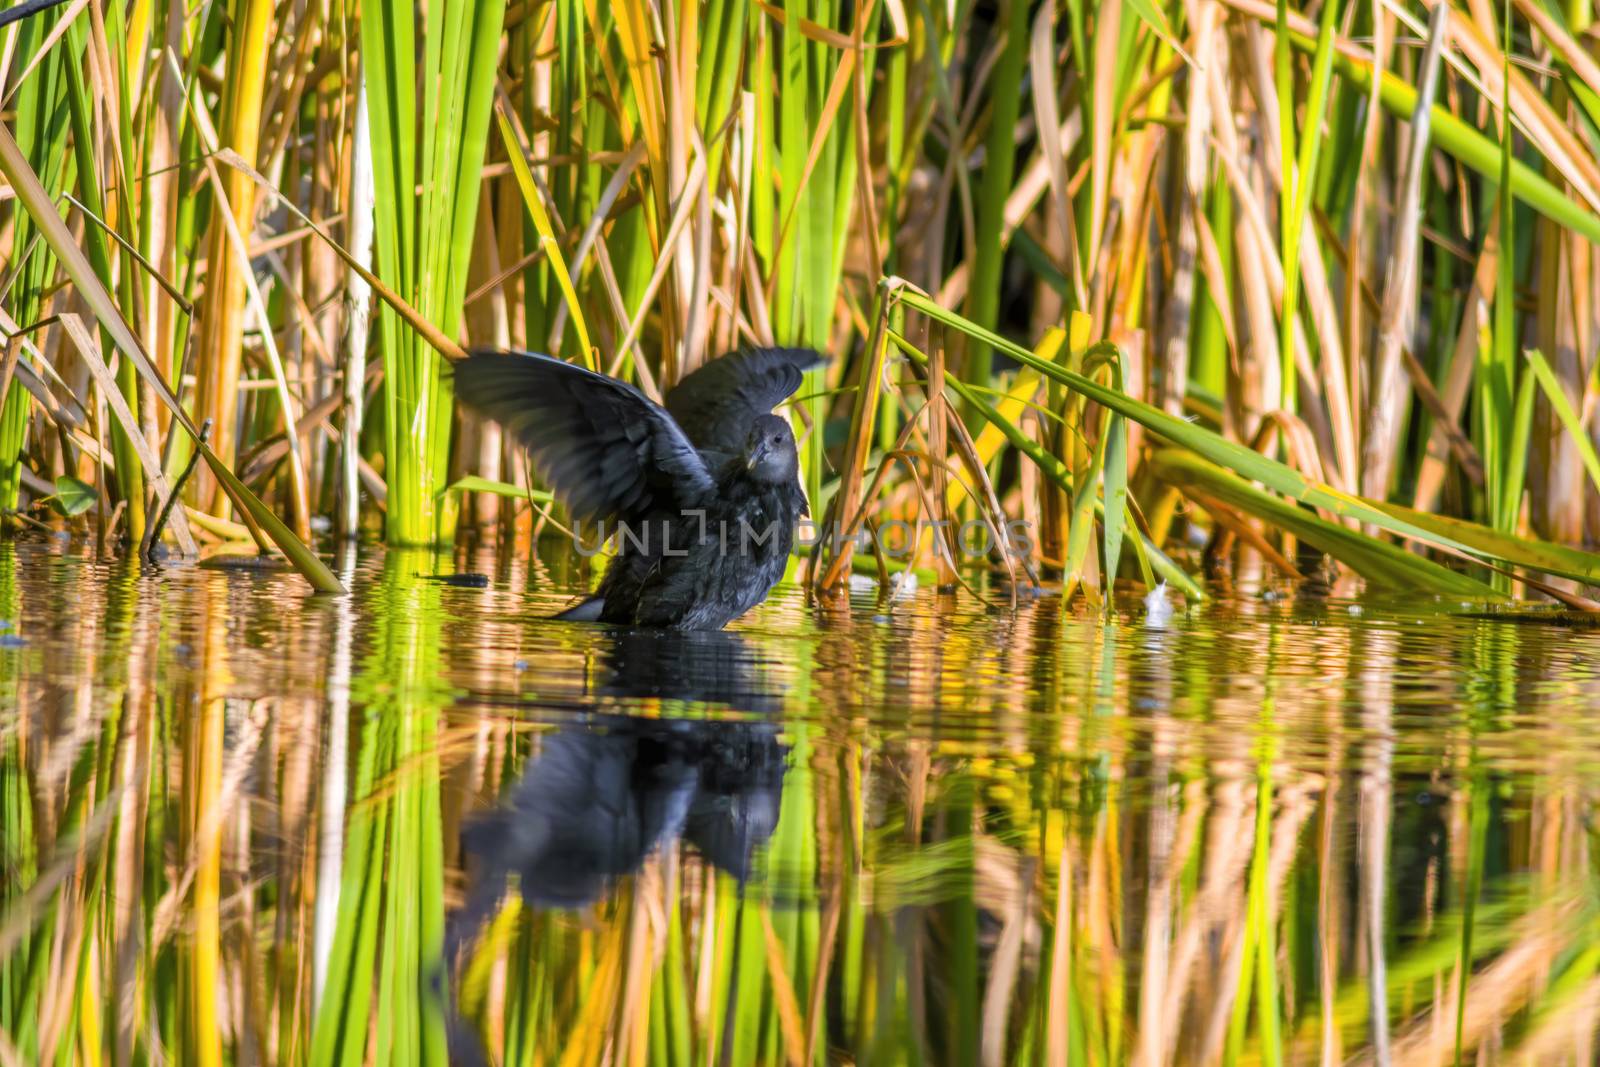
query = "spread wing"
{"x": 716, "y": 404}
{"x": 600, "y": 445}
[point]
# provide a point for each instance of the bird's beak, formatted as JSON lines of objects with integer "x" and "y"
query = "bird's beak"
{"x": 755, "y": 456}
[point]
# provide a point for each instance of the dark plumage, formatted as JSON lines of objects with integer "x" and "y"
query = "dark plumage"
{"x": 703, "y": 493}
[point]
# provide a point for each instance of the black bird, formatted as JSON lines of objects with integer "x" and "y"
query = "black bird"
{"x": 705, "y": 492}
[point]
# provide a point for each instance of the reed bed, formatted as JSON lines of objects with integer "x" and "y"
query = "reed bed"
{"x": 1144, "y": 277}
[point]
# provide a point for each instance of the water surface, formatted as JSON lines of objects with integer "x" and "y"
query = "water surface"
{"x": 245, "y": 824}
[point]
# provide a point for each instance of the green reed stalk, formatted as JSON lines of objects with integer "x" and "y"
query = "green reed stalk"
{"x": 1288, "y": 189}
{"x": 41, "y": 125}
{"x": 13, "y": 433}
{"x": 1299, "y": 169}
{"x": 1208, "y": 362}
{"x": 807, "y": 228}
{"x": 1461, "y": 139}
{"x": 92, "y": 172}
{"x": 999, "y": 168}
{"x": 723, "y": 35}
{"x": 1246, "y": 462}
{"x": 1504, "y": 407}
{"x": 423, "y": 241}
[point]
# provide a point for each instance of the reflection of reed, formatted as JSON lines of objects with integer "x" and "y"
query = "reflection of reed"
{"x": 334, "y": 786}
{"x": 391, "y": 907}
{"x": 1079, "y": 868}
{"x": 1377, "y": 801}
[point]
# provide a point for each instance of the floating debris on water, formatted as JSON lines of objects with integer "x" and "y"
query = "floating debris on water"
{"x": 239, "y": 561}
{"x": 460, "y": 581}
{"x": 1580, "y": 620}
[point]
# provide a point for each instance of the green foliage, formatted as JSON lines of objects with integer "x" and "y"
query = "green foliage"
{"x": 73, "y": 497}
{"x": 430, "y": 126}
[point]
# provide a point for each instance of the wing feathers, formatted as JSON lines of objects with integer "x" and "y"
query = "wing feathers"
{"x": 599, "y": 444}
{"x": 716, "y": 404}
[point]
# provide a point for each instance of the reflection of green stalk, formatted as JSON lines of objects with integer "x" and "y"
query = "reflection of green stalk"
{"x": 1496, "y": 653}
{"x": 677, "y": 1030}
{"x": 349, "y": 990}
{"x": 853, "y": 916}
{"x": 394, "y": 856}
{"x": 793, "y": 865}
{"x": 1258, "y": 974}
{"x": 64, "y": 941}
{"x": 1477, "y": 835}
{"x": 961, "y": 915}
{"x": 1110, "y": 1033}
{"x": 531, "y": 967}
{"x": 746, "y": 952}
{"x": 18, "y": 848}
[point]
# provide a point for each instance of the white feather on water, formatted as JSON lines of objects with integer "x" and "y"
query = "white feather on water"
{"x": 1157, "y": 608}
{"x": 902, "y": 586}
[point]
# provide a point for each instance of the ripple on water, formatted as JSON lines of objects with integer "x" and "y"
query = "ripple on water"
{"x": 921, "y": 776}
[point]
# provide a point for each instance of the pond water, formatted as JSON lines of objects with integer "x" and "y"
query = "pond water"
{"x": 244, "y": 824}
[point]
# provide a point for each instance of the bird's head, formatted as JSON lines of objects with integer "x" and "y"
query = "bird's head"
{"x": 769, "y": 452}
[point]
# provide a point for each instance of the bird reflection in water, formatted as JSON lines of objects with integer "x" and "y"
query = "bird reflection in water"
{"x": 607, "y": 790}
